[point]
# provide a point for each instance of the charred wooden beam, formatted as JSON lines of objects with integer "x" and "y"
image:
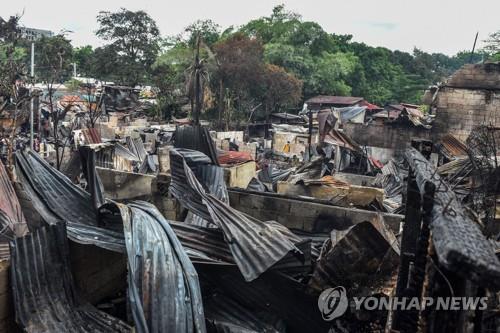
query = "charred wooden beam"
{"x": 460, "y": 246}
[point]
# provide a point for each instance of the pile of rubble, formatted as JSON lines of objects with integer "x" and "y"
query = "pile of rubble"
{"x": 227, "y": 259}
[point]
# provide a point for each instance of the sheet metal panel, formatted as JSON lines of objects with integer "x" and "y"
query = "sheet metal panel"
{"x": 45, "y": 298}
{"x": 256, "y": 246}
{"x": 57, "y": 200}
{"x": 164, "y": 291}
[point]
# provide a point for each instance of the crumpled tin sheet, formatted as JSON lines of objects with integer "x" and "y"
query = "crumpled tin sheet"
{"x": 57, "y": 200}
{"x": 12, "y": 221}
{"x": 256, "y": 246}
{"x": 164, "y": 291}
{"x": 45, "y": 298}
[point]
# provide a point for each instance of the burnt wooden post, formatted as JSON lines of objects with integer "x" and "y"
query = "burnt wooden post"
{"x": 411, "y": 230}
{"x": 461, "y": 253}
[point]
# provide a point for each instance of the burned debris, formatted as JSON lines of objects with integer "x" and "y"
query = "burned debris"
{"x": 115, "y": 220}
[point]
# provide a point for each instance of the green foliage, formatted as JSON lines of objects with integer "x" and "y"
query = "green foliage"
{"x": 134, "y": 40}
{"x": 82, "y": 56}
{"x": 54, "y": 58}
{"x": 73, "y": 85}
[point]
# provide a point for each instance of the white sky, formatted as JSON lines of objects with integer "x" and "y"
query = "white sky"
{"x": 445, "y": 26}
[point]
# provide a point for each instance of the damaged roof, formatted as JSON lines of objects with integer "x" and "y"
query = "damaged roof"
{"x": 340, "y": 100}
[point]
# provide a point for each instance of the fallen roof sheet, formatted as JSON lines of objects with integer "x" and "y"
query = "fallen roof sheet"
{"x": 227, "y": 315}
{"x": 196, "y": 138}
{"x": 234, "y": 157}
{"x": 12, "y": 220}
{"x": 57, "y": 200}
{"x": 337, "y": 138}
{"x": 136, "y": 146}
{"x": 164, "y": 291}
{"x": 453, "y": 146}
{"x": 272, "y": 293}
{"x": 207, "y": 246}
{"x": 45, "y": 298}
{"x": 255, "y": 246}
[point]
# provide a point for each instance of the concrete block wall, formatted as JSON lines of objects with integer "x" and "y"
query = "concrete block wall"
{"x": 459, "y": 110}
{"x": 391, "y": 136}
{"x": 476, "y": 76}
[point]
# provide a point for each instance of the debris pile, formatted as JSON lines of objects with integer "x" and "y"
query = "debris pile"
{"x": 147, "y": 227}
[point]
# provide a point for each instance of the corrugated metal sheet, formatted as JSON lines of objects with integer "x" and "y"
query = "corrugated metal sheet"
{"x": 164, "y": 291}
{"x": 91, "y": 135}
{"x": 338, "y": 138}
{"x": 272, "y": 293}
{"x": 44, "y": 295}
{"x": 226, "y": 316}
{"x": 207, "y": 245}
{"x": 234, "y": 157}
{"x": 340, "y": 100}
{"x": 196, "y": 138}
{"x": 136, "y": 146}
{"x": 57, "y": 200}
{"x": 12, "y": 220}
{"x": 453, "y": 147}
{"x": 255, "y": 246}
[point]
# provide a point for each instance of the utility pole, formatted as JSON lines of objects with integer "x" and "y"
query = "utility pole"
{"x": 74, "y": 69}
{"x": 473, "y": 48}
{"x": 31, "y": 93}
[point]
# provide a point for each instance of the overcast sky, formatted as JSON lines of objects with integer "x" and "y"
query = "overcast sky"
{"x": 445, "y": 26}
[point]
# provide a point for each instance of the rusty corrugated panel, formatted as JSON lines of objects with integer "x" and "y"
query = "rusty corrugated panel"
{"x": 91, "y": 135}
{"x": 453, "y": 146}
{"x": 45, "y": 298}
{"x": 256, "y": 246}
{"x": 11, "y": 216}
{"x": 234, "y": 157}
{"x": 338, "y": 138}
{"x": 164, "y": 291}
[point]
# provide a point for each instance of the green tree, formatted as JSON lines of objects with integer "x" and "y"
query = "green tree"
{"x": 135, "y": 38}
{"x": 82, "y": 57}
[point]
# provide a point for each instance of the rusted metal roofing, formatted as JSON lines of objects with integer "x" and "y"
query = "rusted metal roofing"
{"x": 255, "y": 245}
{"x": 11, "y": 216}
{"x": 337, "y": 138}
{"x": 234, "y": 157}
{"x": 164, "y": 291}
{"x": 370, "y": 106}
{"x": 453, "y": 146}
{"x": 45, "y": 299}
{"x": 336, "y": 100}
{"x": 91, "y": 135}
{"x": 388, "y": 114}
